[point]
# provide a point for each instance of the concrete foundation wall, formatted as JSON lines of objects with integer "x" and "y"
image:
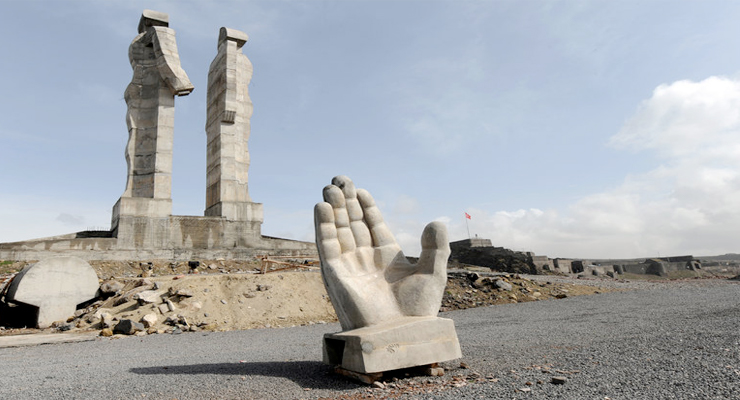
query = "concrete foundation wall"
{"x": 175, "y": 238}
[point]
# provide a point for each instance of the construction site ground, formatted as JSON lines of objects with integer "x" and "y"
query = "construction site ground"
{"x": 222, "y": 295}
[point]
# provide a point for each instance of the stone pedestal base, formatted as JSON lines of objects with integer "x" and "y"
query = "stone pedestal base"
{"x": 141, "y": 223}
{"x": 402, "y": 343}
{"x": 140, "y": 207}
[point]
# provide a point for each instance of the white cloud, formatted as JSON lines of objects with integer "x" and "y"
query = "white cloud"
{"x": 688, "y": 204}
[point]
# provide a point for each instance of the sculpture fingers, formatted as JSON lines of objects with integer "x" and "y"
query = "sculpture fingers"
{"x": 334, "y": 196}
{"x": 379, "y": 231}
{"x": 326, "y": 233}
{"x": 435, "y": 250}
{"x": 357, "y": 223}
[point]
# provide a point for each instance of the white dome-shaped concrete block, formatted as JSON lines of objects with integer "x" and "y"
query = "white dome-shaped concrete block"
{"x": 56, "y": 286}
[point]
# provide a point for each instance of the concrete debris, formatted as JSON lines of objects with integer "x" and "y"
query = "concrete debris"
{"x": 54, "y": 286}
{"x": 128, "y": 327}
{"x": 111, "y": 287}
{"x": 148, "y": 297}
{"x": 149, "y": 320}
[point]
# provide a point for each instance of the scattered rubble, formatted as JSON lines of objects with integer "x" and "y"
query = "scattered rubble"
{"x": 242, "y": 298}
{"x": 478, "y": 289}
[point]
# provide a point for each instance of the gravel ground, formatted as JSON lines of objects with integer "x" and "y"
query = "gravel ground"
{"x": 661, "y": 341}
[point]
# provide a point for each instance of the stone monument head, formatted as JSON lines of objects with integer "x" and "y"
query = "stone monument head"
{"x": 233, "y": 35}
{"x": 153, "y": 18}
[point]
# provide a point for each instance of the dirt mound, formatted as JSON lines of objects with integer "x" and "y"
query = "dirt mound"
{"x": 230, "y": 295}
{"x": 213, "y": 302}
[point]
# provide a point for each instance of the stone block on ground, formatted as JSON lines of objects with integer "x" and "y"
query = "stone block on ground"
{"x": 55, "y": 286}
{"x": 403, "y": 343}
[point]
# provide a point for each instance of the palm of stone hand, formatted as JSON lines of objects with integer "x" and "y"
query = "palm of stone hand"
{"x": 368, "y": 278}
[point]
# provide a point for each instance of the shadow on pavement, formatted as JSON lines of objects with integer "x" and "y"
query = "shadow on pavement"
{"x": 307, "y": 374}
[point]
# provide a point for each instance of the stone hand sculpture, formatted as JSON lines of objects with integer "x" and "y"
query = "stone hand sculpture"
{"x": 364, "y": 267}
{"x": 387, "y": 306}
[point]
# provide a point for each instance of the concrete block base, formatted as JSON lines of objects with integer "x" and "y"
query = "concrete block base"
{"x": 141, "y": 207}
{"x": 402, "y": 343}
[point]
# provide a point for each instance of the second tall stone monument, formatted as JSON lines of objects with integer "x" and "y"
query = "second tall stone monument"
{"x": 228, "y": 128}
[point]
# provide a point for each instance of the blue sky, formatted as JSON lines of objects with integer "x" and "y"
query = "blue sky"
{"x": 571, "y": 129}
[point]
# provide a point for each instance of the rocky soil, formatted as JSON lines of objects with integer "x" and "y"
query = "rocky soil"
{"x": 219, "y": 295}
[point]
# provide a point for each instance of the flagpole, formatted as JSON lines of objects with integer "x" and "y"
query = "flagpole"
{"x": 467, "y": 226}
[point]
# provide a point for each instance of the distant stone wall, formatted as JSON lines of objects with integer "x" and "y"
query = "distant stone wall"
{"x": 543, "y": 263}
{"x": 563, "y": 265}
{"x": 469, "y": 243}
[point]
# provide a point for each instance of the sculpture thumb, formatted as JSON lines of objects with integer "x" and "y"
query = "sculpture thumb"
{"x": 435, "y": 249}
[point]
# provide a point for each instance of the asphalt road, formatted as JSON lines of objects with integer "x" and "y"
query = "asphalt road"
{"x": 680, "y": 340}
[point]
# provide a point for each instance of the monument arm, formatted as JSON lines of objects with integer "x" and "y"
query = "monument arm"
{"x": 168, "y": 61}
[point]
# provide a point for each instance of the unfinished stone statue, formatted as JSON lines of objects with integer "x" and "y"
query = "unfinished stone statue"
{"x": 150, "y": 98}
{"x": 146, "y": 203}
{"x": 55, "y": 286}
{"x": 229, "y": 109}
{"x": 387, "y": 306}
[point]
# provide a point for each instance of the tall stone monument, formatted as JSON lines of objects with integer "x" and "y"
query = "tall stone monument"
{"x": 387, "y": 306}
{"x": 146, "y": 203}
{"x": 142, "y": 224}
{"x": 229, "y": 109}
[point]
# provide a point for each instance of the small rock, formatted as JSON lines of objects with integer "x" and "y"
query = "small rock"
{"x": 106, "y": 332}
{"x": 65, "y": 327}
{"x": 170, "y": 305}
{"x": 525, "y": 390}
{"x": 128, "y": 327}
{"x": 378, "y": 385}
{"x": 149, "y": 320}
{"x": 503, "y": 285}
{"x": 164, "y": 308}
{"x": 111, "y": 287}
{"x": 464, "y": 365}
{"x": 143, "y": 282}
{"x": 223, "y": 301}
{"x": 558, "y": 380}
{"x": 106, "y": 320}
{"x": 148, "y": 297}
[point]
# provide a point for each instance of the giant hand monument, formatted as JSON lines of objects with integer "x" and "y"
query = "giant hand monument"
{"x": 387, "y": 307}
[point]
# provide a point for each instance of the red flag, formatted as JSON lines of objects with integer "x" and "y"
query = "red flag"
{"x": 467, "y": 215}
